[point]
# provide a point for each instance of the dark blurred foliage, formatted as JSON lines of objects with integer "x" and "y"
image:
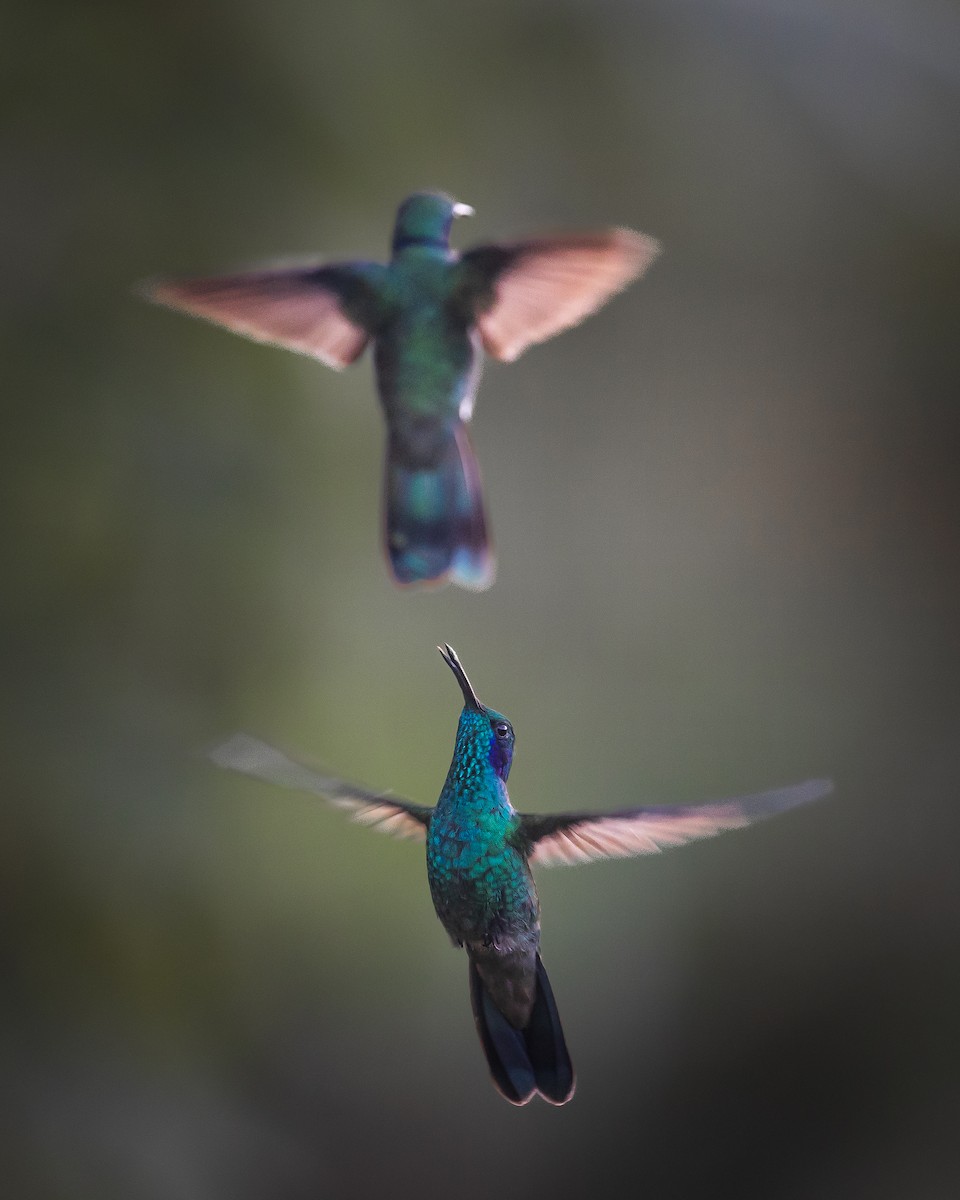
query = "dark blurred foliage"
{"x": 727, "y": 518}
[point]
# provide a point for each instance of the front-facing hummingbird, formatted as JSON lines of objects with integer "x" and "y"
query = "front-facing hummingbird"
{"x": 479, "y": 854}
{"x": 427, "y": 312}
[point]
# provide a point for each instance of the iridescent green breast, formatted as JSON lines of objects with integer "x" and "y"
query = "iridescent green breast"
{"x": 479, "y": 880}
{"x": 481, "y": 886}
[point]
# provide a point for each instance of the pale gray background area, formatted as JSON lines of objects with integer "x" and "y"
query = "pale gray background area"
{"x": 726, "y": 512}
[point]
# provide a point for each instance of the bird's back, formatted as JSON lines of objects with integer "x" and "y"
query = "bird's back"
{"x": 427, "y": 358}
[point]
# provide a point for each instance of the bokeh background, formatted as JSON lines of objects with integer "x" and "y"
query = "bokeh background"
{"x": 726, "y": 512}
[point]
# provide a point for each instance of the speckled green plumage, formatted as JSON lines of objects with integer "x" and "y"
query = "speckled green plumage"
{"x": 480, "y": 882}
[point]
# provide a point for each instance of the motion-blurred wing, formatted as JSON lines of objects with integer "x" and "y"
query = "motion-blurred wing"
{"x": 526, "y": 292}
{"x": 250, "y": 756}
{"x": 580, "y": 837}
{"x": 326, "y": 312}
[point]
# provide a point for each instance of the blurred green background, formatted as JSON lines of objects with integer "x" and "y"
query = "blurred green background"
{"x": 726, "y": 513}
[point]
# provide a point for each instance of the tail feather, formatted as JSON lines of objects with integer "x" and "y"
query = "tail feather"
{"x": 546, "y": 1045}
{"x": 435, "y": 524}
{"x": 529, "y": 1061}
{"x": 503, "y": 1045}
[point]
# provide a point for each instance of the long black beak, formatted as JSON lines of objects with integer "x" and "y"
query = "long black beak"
{"x": 449, "y": 656}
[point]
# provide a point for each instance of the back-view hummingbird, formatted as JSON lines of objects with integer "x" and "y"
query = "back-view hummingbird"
{"x": 428, "y": 313}
{"x": 479, "y": 854}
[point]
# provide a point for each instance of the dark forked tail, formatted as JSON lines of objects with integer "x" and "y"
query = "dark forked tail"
{"x": 435, "y": 528}
{"x": 528, "y": 1061}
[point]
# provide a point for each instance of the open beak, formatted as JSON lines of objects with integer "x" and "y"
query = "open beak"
{"x": 449, "y": 656}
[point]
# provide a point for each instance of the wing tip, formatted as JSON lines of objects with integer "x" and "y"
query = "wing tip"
{"x": 228, "y": 752}
{"x": 643, "y": 249}
{"x": 245, "y": 754}
{"x": 181, "y": 295}
{"x": 816, "y": 789}
{"x": 155, "y": 289}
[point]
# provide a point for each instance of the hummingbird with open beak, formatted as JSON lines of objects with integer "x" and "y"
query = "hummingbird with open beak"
{"x": 480, "y": 851}
{"x": 429, "y": 313}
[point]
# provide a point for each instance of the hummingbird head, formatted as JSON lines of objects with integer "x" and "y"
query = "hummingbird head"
{"x": 424, "y": 219}
{"x": 479, "y": 723}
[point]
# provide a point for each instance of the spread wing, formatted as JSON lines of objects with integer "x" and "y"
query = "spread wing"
{"x": 250, "y": 756}
{"x": 570, "y": 838}
{"x": 327, "y": 312}
{"x": 529, "y": 291}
